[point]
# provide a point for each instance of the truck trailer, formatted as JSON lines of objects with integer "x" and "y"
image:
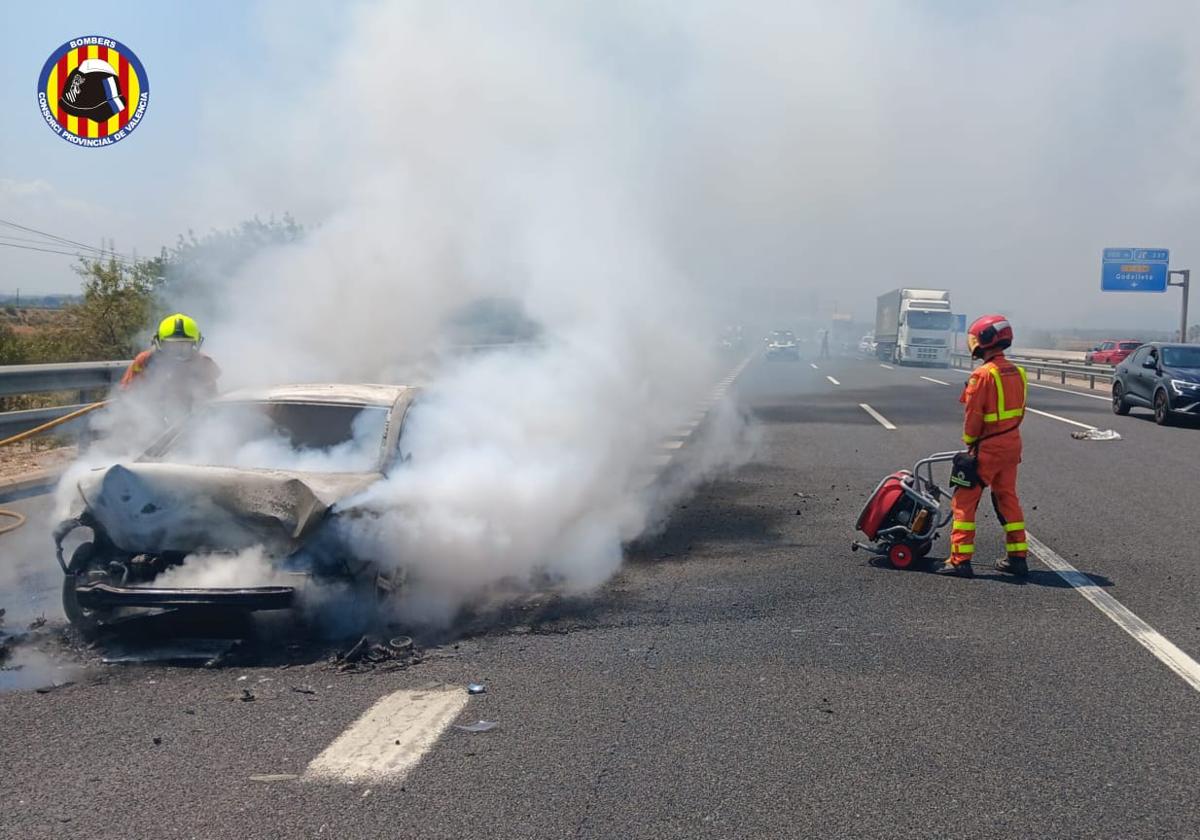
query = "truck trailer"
{"x": 914, "y": 326}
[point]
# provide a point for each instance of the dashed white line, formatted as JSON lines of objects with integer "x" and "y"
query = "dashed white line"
{"x": 671, "y": 444}
{"x": 883, "y": 421}
{"x": 889, "y": 367}
{"x": 1059, "y": 419}
{"x": 1145, "y": 635}
{"x": 935, "y": 381}
{"x": 390, "y": 738}
{"x": 813, "y": 365}
{"x": 1069, "y": 391}
{"x": 834, "y": 381}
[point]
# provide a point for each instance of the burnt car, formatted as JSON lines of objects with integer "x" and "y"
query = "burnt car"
{"x": 259, "y": 472}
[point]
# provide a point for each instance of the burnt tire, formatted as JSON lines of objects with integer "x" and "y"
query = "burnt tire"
{"x": 1162, "y": 409}
{"x": 86, "y": 621}
{"x": 1119, "y": 404}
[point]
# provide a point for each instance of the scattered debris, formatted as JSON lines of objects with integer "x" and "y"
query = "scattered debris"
{"x": 476, "y": 688}
{"x": 273, "y": 777}
{"x": 1096, "y": 434}
{"x": 46, "y": 689}
{"x": 304, "y": 689}
{"x": 247, "y": 695}
{"x": 38, "y": 623}
{"x": 366, "y": 654}
{"x": 157, "y": 740}
{"x": 478, "y": 726}
{"x": 185, "y": 652}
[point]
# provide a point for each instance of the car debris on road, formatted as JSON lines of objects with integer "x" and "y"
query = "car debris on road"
{"x": 1096, "y": 434}
{"x": 366, "y": 654}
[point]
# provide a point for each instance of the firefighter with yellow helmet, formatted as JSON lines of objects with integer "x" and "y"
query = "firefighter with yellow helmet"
{"x": 174, "y": 364}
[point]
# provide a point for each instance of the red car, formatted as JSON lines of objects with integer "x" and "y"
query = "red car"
{"x": 1112, "y": 352}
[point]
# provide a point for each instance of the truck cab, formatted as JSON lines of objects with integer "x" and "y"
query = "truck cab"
{"x": 915, "y": 326}
{"x": 925, "y": 333}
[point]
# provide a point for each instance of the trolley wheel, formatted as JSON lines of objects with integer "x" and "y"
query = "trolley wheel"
{"x": 901, "y": 555}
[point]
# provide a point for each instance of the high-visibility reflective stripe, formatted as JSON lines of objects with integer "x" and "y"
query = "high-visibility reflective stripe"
{"x": 1011, "y": 547}
{"x": 1014, "y": 526}
{"x": 964, "y": 548}
{"x": 964, "y": 526}
{"x": 1001, "y": 412}
{"x": 969, "y": 438}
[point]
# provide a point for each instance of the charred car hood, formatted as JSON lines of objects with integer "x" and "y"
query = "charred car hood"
{"x": 151, "y": 508}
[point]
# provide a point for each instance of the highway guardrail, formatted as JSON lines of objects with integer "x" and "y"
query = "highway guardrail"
{"x": 77, "y": 378}
{"x": 1039, "y": 369}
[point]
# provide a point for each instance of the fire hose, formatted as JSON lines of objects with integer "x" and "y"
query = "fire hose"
{"x": 18, "y": 519}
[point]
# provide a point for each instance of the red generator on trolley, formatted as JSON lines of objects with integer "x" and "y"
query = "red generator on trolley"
{"x": 903, "y": 516}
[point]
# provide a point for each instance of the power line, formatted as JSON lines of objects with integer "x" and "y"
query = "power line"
{"x": 61, "y": 239}
{"x": 125, "y": 260}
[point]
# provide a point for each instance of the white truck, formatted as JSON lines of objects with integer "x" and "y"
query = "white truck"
{"x": 914, "y": 326}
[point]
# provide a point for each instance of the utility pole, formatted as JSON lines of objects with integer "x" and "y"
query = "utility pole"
{"x": 1186, "y": 277}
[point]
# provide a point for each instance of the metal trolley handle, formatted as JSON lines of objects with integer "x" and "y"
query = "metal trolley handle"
{"x": 923, "y": 477}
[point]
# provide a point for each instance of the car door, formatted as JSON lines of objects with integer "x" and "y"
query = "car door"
{"x": 1143, "y": 379}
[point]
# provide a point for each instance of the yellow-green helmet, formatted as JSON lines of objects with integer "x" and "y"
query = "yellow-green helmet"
{"x": 179, "y": 329}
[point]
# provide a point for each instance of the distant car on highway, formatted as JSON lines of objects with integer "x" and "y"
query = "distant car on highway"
{"x": 1112, "y": 352}
{"x": 866, "y": 345}
{"x": 782, "y": 344}
{"x": 1163, "y": 377}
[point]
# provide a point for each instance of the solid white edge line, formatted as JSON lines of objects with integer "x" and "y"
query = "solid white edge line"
{"x": 935, "y": 381}
{"x": 834, "y": 381}
{"x": 883, "y": 421}
{"x": 889, "y": 367}
{"x": 1069, "y": 391}
{"x": 1060, "y": 419}
{"x": 1167, "y": 651}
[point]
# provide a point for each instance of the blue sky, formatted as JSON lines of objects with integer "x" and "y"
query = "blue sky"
{"x": 135, "y": 192}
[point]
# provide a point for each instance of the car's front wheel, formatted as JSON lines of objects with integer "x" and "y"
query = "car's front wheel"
{"x": 1119, "y": 404}
{"x": 88, "y": 622}
{"x": 1162, "y": 409}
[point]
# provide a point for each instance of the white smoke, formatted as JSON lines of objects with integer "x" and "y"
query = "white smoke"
{"x": 471, "y": 154}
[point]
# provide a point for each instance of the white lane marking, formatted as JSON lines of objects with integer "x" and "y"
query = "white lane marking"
{"x": 935, "y": 381}
{"x": 390, "y": 738}
{"x": 1145, "y": 635}
{"x": 889, "y": 367}
{"x": 1060, "y": 419}
{"x": 883, "y": 421}
{"x": 1068, "y": 391}
{"x": 834, "y": 381}
{"x": 671, "y": 444}
{"x": 813, "y": 365}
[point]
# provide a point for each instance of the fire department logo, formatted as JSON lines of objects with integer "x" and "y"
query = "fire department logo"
{"x": 93, "y": 91}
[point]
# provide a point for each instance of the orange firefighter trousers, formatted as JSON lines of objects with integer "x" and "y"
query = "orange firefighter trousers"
{"x": 998, "y": 462}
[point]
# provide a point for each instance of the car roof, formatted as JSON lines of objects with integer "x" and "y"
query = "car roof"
{"x": 344, "y": 394}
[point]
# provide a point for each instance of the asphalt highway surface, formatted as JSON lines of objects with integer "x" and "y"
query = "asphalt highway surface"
{"x": 744, "y": 676}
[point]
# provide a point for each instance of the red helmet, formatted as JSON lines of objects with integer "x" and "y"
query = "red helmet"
{"x": 989, "y": 332}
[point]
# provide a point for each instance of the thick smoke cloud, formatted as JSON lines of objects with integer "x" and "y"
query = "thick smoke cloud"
{"x": 481, "y": 154}
{"x": 790, "y": 155}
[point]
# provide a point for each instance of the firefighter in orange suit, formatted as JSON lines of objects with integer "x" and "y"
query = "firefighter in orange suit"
{"x": 995, "y": 406}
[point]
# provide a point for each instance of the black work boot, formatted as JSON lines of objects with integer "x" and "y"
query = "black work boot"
{"x": 1013, "y": 566}
{"x": 955, "y": 569}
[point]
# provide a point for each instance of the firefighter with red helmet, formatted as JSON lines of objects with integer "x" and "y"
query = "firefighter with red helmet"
{"x": 994, "y": 400}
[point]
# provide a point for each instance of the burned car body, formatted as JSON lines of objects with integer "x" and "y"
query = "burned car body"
{"x": 260, "y": 471}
